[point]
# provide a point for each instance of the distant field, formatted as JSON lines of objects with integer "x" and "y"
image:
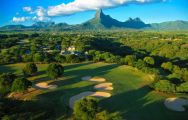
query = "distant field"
{"x": 131, "y": 95}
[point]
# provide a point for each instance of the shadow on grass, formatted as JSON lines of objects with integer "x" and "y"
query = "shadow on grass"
{"x": 60, "y": 96}
{"x": 136, "y": 105}
{"x": 77, "y": 65}
{"x": 26, "y": 110}
{"x": 78, "y": 74}
{"x": 5, "y": 69}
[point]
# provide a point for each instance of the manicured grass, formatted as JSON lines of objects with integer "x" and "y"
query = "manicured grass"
{"x": 131, "y": 95}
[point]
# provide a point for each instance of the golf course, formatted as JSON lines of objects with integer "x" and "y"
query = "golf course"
{"x": 131, "y": 95}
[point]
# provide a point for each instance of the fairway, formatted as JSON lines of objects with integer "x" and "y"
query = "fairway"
{"x": 131, "y": 95}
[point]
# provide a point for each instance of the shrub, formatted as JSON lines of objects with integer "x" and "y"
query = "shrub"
{"x": 20, "y": 85}
{"x": 164, "y": 86}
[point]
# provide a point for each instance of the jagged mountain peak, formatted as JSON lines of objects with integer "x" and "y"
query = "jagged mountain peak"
{"x": 99, "y": 13}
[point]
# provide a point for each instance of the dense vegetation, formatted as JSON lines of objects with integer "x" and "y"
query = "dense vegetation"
{"x": 162, "y": 54}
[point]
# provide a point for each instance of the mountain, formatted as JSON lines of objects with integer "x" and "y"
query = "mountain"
{"x": 101, "y": 21}
{"x": 13, "y": 27}
{"x": 171, "y": 25}
{"x": 43, "y": 24}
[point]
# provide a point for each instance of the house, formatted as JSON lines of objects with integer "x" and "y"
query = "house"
{"x": 71, "y": 49}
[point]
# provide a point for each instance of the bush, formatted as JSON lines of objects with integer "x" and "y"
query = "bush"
{"x": 164, "y": 86}
{"x": 183, "y": 87}
{"x": 30, "y": 69}
{"x": 55, "y": 70}
{"x": 20, "y": 85}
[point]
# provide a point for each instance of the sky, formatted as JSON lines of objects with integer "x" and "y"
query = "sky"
{"x": 27, "y": 12}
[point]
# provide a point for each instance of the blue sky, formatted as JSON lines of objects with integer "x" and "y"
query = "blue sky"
{"x": 77, "y": 11}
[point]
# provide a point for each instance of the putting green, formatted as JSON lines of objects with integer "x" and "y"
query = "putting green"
{"x": 131, "y": 95}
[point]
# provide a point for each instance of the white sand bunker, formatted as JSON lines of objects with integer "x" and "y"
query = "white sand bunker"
{"x": 93, "y": 79}
{"x": 44, "y": 85}
{"x": 85, "y": 94}
{"x": 104, "y": 86}
{"x": 97, "y": 79}
{"x": 176, "y": 104}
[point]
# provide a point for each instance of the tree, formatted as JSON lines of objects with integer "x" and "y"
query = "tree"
{"x": 105, "y": 115}
{"x": 71, "y": 58}
{"x": 30, "y": 69}
{"x": 149, "y": 60}
{"x": 86, "y": 109}
{"x": 130, "y": 59}
{"x": 59, "y": 58}
{"x": 164, "y": 86}
{"x": 167, "y": 66}
{"x": 183, "y": 87}
{"x": 20, "y": 85}
{"x": 38, "y": 57}
{"x": 55, "y": 70}
{"x": 6, "y": 80}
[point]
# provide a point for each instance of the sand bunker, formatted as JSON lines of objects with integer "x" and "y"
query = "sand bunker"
{"x": 44, "y": 85}
{"x": 85, "y": 94}
{"x": 101, "y": 94}
{"x": 97, "y": 79}
{"x": 104, "y": 86}
{"x": 93, "y": 79}
{"x": 176, "y": 104}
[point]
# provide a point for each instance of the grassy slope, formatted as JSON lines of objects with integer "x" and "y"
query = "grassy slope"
{"x": 131, "y": 96}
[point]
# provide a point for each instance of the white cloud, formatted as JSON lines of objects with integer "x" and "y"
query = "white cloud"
{"x": 84, "y": 5}
{"x": 27, "y": 9}
{"x": 41, "y": 14}
{"x": 20, "y": 19}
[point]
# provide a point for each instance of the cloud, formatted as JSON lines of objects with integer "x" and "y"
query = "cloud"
{"x": 41, "y": 14}
{"x": 84, "y": 5}
{"x": 28, "y": 9}
{"x": 20, "y": 19}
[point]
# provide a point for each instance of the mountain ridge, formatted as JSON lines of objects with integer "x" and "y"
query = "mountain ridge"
{"x": 102, "y": 21}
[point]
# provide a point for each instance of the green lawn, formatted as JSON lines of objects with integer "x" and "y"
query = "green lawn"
{"x": 131, "y": 95}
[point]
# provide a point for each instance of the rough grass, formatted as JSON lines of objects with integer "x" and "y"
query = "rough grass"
{"x": 131, "y": 95}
